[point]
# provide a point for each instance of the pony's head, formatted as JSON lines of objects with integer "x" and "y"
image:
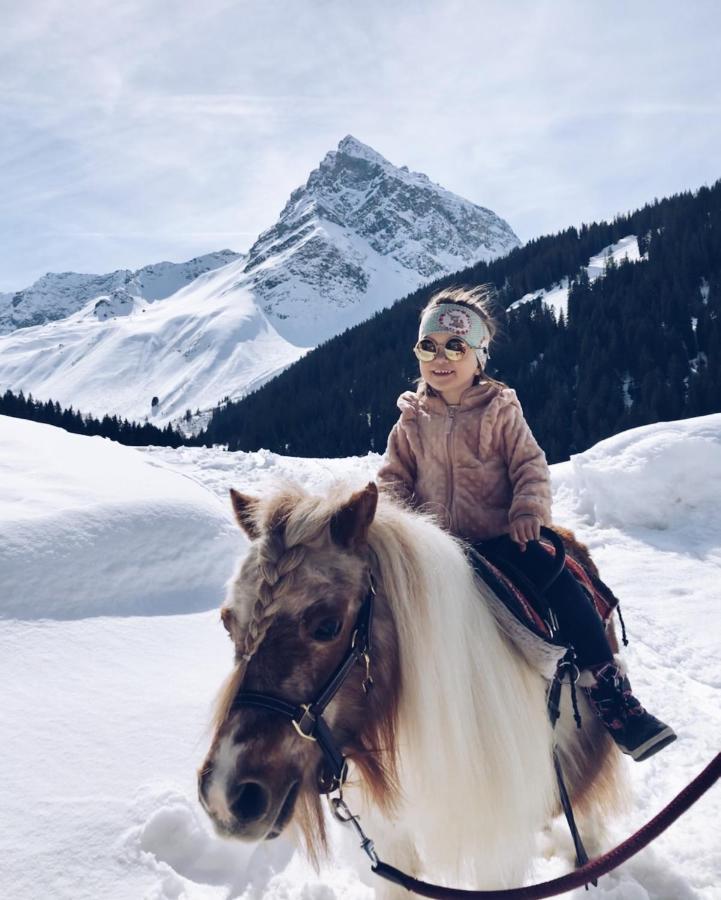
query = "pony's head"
{"x": 291, "y": 610}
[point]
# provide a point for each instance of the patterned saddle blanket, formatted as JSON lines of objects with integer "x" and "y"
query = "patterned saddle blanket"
{"x": 519, "y": 619}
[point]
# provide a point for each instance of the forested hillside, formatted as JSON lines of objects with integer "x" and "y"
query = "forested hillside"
{"x": 639, "y": 345}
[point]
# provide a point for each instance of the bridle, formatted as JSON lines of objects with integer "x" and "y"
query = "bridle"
{"x": 307, "y": 718}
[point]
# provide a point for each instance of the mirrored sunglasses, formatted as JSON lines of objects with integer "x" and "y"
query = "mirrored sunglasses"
{"x": 454, "y": 349}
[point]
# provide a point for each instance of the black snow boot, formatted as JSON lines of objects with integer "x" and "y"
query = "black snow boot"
{"x": 635, "y": 731}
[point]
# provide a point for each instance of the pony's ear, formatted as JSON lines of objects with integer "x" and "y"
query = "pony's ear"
{"x": 349, "y": 525}
{"x": 227, "y": 617}
{"x": 246, "y": 509}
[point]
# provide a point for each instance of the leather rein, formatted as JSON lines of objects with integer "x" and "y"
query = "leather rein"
{"x": 308, "y": 721}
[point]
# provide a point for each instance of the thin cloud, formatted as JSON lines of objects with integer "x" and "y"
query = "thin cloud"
{"x": 130, "y": 134}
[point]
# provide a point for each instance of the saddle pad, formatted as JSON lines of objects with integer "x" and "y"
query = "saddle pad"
{"x": 517, "y": 619}
{"x": 521, "y": 622}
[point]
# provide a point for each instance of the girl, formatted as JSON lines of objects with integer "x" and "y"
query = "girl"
{"x": 463, "y": 450}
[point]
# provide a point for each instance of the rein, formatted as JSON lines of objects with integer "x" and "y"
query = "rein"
{"x": 680, "y": 804}
{"x": 308, "y": 721}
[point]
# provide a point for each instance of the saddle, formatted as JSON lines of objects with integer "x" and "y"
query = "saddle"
{"x": 522, "y": 611}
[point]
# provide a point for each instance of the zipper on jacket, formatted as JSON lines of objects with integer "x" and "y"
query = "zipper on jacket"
{"x": 449, "y": 437}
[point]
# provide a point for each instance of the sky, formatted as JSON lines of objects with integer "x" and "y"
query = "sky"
{"x": 148, "y": 130}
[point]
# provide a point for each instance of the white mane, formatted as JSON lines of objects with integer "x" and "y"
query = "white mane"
{"x": 473, "y": 730}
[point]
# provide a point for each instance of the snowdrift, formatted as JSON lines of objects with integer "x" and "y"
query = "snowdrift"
{"x": 93, "y": 528}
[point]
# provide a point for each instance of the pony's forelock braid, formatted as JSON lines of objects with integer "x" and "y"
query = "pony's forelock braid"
{"x": 275, "y": 562}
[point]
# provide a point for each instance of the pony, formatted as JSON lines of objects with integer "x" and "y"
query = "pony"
{"x": 451, "y": 751}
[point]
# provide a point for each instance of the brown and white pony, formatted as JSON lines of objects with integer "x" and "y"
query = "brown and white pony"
{"x": 451, "y": 752}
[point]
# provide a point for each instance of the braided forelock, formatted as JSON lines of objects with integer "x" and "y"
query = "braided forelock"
{"x": 295, "y": 522}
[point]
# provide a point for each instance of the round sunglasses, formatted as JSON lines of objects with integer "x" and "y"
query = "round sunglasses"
{"x": 454, "y": 349}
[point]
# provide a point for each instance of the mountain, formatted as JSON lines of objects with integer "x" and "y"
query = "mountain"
{"x": 58, "y": 295}
{"x": 357, "y": 236}
{"x": 207, "y": 341}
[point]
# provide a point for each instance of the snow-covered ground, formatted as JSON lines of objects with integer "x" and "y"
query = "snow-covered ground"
{"x": 112, "y": 563}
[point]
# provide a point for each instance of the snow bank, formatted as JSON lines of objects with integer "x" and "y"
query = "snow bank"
{"x": 661, "y": 476}
{"x": 91, "y": 527}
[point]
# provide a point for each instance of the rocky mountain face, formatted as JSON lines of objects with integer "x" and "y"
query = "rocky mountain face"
{"x": 358, "y": 235}
{"x": 60, "y": 294}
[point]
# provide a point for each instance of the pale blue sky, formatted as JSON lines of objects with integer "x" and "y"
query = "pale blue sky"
{"x": 142, "y": 130}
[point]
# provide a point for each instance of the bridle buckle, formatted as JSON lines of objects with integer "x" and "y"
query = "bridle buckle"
{"x": 305, "y": 726}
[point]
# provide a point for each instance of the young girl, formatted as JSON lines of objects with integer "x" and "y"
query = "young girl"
{"x": 463, "y": 450}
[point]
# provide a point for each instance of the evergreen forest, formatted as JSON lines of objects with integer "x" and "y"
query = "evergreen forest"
{"x": 120, "y": 430}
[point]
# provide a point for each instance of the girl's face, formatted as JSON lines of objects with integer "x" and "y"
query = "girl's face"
{"x": 446, "y": 376}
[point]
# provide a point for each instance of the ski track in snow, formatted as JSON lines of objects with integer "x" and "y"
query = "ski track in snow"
{"x": 105, "y": 717}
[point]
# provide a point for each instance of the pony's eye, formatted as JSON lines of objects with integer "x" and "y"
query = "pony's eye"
{"x": 327, "y": 629}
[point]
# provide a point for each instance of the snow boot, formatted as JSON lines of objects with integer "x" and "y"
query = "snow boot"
{"x": 635, "y": 731}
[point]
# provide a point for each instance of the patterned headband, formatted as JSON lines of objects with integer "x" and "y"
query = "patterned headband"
{"x": 456, "y": 319}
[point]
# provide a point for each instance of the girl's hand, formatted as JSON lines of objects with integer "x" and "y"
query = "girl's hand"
{"x": 525, "y": 528}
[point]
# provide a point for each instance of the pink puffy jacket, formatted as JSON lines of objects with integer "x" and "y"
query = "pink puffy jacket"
{"x": 476, "y": 466}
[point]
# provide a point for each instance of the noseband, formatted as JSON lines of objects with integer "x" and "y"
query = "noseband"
{"x": 307, "y": 718}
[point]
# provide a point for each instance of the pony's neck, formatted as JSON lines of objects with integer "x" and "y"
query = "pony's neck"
{"x": 446, "y": 634}
{"x": 471, "y": 715}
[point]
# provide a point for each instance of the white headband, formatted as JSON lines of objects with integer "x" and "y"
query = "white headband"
{"x": 460, "y": 320}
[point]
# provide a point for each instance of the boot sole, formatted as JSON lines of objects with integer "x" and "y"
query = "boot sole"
{"x": 652, "y": 745}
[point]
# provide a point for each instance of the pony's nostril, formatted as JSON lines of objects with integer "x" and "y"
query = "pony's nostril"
{"x": 251, "y": 802}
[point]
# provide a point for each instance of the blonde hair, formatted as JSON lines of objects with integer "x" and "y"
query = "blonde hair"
{"x": 479, "y": 299}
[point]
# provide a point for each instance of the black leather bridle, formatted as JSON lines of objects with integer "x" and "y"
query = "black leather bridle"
{"x": 307, "y": 718}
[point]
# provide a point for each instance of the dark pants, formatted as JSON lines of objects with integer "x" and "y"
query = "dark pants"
{"x": 578, "y": 620}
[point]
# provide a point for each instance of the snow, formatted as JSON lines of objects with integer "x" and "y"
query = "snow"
{"x": 57, "y": 295}
{"x": 98, "y": 518}
{"x": 311, "y": 302}
{"x": 673, "y": 494}
{"x": 205, "y": 342}
{"x": 556, "y": 297}
{"x": 106, "y": 704}
{"x": 626, "y": 248}
{"x": 705, "y": 288}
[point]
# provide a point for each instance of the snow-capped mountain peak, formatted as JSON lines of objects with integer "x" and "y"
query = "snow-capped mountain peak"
{"x": 351, "y": 146}
{"x": 360, "y": 234}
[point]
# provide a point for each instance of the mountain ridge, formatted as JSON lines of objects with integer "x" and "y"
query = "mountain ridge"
{"x": 57, "y": 295}
{"x": 638, "y": 345}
